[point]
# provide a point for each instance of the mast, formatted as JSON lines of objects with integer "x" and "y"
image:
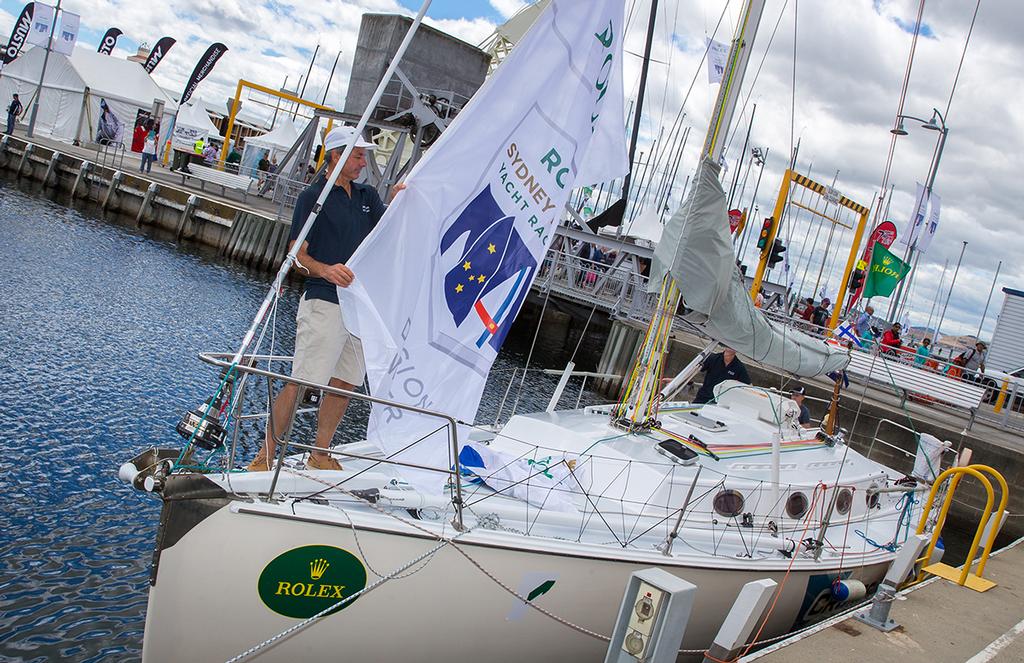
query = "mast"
{"x": 645, "y": 65}
{"x": 642, "y": 396}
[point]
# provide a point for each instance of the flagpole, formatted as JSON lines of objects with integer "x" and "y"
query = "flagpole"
{"x": 289, "y": 259}
{"x": 952, "y": 283}
{"x": 938, "y": 294}
{"x": 42, "y": 75}
{"x": 989, "y": 300}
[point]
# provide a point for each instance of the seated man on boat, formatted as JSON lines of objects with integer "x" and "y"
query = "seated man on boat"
{"x": 718, "y": 368}
{"x": 799, "y": 394}
{"x": 325, "y": 352}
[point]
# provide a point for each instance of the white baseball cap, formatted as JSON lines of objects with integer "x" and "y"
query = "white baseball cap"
{"x": 340, "y": 137}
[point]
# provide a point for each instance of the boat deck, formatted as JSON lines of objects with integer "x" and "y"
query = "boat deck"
{"x": 939, "y": 621}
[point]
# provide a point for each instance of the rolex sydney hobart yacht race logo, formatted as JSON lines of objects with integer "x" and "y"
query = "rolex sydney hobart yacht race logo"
{"x": 305, "y": 581}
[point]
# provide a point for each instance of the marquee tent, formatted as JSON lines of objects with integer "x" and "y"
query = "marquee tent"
{"x": 69, "y": 107}
{"x": 193, "y": 123}
{"x": 275, "y": 143}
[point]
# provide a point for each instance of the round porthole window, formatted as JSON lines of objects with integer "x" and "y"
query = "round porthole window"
{"x": 872, "y": 499}
{"x": 844, "y": 501}
{"x": 729, "y": 503}
{"x": 796, "y": 505}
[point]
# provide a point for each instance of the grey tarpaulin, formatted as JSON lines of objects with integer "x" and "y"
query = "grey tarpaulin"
{"x": 697, "y": 250}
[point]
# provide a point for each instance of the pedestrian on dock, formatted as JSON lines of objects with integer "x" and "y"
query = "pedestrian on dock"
{"x": 863, "y": 324}
{"x": 234, "y": 159}
{"x": 891, "y": 341}
{"x": 972, "y": 361}
{"x": 718, "y": 368}
{"x": 14, "y": 111}
{"x": 148, "y": 151}
{"x": 923, "y": 352}
{"x": 325, "y": 352}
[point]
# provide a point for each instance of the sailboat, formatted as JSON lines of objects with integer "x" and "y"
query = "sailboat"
{"x": 515, "y": 542}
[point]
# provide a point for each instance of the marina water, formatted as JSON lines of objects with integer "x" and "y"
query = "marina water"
{"x": 100, "y": 325}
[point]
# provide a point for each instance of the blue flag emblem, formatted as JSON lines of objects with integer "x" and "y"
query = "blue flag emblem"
{"x": 494, "y": 258}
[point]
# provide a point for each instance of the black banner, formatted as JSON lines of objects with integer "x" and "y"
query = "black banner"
{"x": 203, "y": 68}
{"x": 109, "y": 41}
{"x": 158, "y": 53}
{"x": 18, "y": 34}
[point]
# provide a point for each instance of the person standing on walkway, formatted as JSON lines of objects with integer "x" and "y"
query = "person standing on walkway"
{"x": 14, "y": 111}
{"x": 148, "y": 151}
{"x": 923, "y": 352}
{"x": 325, "y": 352}
{"x": 718, "y": 368}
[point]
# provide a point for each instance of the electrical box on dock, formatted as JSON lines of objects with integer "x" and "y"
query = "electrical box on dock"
{"x": 652, "y": 618}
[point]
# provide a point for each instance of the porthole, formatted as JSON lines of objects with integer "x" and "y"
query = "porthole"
{"x": 729, "y": 503}
{"x": 844, "y": 501}
{"x": 872, "y": 499}
{"x": 796, "y": 505}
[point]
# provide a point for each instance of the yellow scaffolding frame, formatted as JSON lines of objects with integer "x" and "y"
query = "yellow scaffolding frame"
{"x": 788, "y": 179}
{"x": 242, "y": 84}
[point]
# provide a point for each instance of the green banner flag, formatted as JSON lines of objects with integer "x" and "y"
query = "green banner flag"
{"x": 886, "y": 271}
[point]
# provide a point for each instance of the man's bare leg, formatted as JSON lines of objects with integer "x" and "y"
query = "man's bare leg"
{"x": 332, "y": 410}
{"x": 283, "y": 409}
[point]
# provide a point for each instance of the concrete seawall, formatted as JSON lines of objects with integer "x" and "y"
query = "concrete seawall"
{"x": 238, "y": 232}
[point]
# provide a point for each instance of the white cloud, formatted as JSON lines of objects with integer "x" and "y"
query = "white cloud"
{"x": 508, "y": 8}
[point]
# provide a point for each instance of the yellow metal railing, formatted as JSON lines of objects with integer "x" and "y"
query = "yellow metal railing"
{"x": 962, "y": 576}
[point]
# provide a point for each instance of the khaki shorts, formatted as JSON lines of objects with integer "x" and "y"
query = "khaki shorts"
{"x": 323, "y": 346}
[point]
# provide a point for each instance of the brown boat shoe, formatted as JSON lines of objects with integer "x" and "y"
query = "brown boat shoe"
{"x": 322, "y": 462}
{"x": 260, "y": 462}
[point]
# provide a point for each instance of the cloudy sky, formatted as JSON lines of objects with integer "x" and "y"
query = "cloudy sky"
{"x": 849, "y": 67}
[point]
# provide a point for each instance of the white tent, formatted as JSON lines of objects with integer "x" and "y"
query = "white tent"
{"x": 272, "y": 144}
{"x": 192, "y": 123}
{"x": 69, "y": 107}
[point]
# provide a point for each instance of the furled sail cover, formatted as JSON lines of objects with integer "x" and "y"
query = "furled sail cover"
{"x": 697, "y": 250}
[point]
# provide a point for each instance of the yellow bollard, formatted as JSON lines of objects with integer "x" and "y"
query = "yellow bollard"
{"x": 1001, "y": 400}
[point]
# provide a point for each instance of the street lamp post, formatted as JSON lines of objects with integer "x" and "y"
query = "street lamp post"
{"x": 930, "y": 183}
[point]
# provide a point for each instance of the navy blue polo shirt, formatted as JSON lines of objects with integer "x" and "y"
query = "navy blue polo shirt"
{"x": 343, "y": 223}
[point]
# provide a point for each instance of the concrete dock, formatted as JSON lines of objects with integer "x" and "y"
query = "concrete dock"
{"x": 939, "y": 621}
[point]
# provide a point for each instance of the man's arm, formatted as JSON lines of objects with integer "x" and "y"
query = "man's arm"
{"x": 338, "y": 274}
{"x": 742, "y": 373}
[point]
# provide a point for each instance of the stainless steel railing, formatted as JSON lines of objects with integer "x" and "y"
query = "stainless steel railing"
{"x": 248, "y": 368}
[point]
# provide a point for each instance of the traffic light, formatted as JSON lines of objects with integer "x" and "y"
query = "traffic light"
{"x": 766, "y": 230}
{"x": 776, "y": 255}
{"x": 856, "y": 280}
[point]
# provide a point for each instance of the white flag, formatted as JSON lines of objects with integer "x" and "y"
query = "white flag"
{"x": 441, "y": 278}
{"x": 916, "y": 220}
{"x": 925, "y": 240}
{"x": 64, "y": 39}
{"x": 718, "y": 57}
{"x": 42, "y": 22}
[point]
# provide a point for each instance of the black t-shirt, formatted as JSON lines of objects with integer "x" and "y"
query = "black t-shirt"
{"x": 805, "y": 415}
{"x": 343, "y": 223}
{"x": 717, "y": 372}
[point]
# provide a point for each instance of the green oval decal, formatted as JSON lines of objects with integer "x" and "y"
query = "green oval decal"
{"x": 302, "y": 582}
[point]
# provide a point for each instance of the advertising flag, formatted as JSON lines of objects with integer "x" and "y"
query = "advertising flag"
{"x": 158, "y": 53}
{"x": 65, "y": 38}
{"x": 916, "y": 220}
{"x": 203, "y": 68}
{"x": 718, "y": 56}
{"x": 109, "y": 41}
{"x": 19, "y": 34}
{"x": 42, "y": 23}
{"x": 886, "y": 271}
{"x": 444, "y": 274}
{"x": 884, "y": 234}
{"x": 925, "y": 240}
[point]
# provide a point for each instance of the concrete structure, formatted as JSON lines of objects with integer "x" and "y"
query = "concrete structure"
{"x": 435, "y": 63}
{"x": 1007, "y": 350}
{"x": 939, "y": 620}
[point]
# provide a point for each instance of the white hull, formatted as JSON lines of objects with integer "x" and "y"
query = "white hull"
{"x": 205, "y": 604}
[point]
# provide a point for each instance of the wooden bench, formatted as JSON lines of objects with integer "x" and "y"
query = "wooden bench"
{"x": 221, "y": 178}
{"x": 912, "y": 380}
